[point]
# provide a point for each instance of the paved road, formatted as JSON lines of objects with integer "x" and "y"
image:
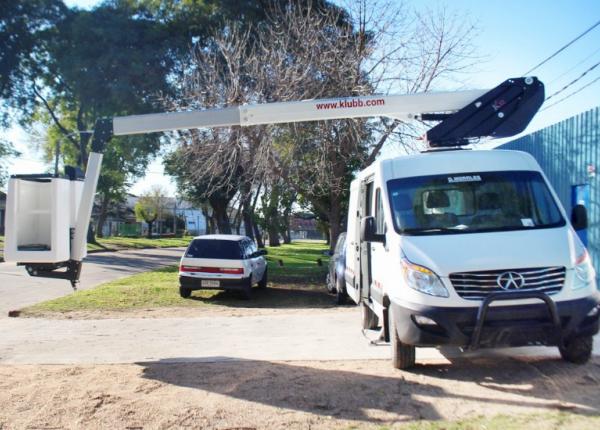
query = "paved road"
{"x": 314, "y": 335}
{"x": 17, "y": 289}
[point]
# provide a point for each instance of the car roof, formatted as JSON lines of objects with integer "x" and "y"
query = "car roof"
{"x": 232, "y": 237}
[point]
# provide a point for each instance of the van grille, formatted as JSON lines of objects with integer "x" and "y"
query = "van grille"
{"x": 477, "y": 285}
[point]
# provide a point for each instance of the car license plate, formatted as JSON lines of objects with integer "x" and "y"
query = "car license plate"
{"x": 210, "y": 284}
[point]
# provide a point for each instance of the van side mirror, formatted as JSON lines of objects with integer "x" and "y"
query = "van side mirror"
{"x": 579, "y": 217}
{"x": 368, "y": 231}
{"x": 262, "y": 252}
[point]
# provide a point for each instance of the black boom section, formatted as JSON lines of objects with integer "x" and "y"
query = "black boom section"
{"x": 501, "y": 112}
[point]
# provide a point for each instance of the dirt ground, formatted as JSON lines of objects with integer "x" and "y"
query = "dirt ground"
{"x": 294, "y": 395}
{"x": 178, "y": 312}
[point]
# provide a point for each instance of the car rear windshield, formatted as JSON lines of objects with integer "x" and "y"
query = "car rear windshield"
{"x": 472, "y": 202}
{"x": 217, "y": 249}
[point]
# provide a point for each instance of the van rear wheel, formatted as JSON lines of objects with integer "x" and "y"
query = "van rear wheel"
{"x": 369, "y": 318}
{"x": 577, "y": 350}
{"x": 403, "y": 355}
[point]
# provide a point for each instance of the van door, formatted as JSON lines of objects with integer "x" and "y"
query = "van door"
{"x": 352, "y": 274}
{"x": 377, "y": 257}
{"x": 365, "y": 209}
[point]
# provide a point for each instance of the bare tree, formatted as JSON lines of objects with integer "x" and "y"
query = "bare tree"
{"x": 307, "y": 51}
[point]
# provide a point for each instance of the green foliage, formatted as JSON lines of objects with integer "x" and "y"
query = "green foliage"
{"x": 24, "y": 25}
{"x": 151, "y": 205}
{"x": 122, "y": 243}
{"x": 6, "y": 150}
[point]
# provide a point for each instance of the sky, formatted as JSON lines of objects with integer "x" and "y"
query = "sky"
{"x": 513, "y": 36}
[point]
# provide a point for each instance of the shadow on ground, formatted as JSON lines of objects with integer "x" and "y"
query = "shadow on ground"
{"x": 503, "y": 383}
{"x": 277, "y": 296}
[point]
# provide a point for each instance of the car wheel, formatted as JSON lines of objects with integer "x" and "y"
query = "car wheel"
{"x": 369, "y": 318}
{"x": 185, "y": 292}
{"x": 328, "y": 284}
{"x": 262, "y": 284}
{"x": 247, "y": 291}
{"x": 577, "y": 350}
{"x": 403, "y": 355}
{"x": 340, "y": 292}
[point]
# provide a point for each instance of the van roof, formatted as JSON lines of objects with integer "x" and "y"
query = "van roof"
{"x": 449, "y": 162}
{"x": 232, "y": 237}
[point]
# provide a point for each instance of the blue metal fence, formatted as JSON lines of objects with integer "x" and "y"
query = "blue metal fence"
{"x": 569, "y": 153}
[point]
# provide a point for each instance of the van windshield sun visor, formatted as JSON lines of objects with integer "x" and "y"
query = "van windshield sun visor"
{"x": 501, "y": 112}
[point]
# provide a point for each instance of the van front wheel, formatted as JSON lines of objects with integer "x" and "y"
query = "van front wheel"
{"x": 403, "y": 355}
{"x": 577, "y": 350}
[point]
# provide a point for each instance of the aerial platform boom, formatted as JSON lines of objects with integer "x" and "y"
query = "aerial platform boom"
{"x": 503, "y": 111}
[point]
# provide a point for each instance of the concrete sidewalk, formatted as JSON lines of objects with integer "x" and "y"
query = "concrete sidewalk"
{"x": 17, "y": 289}
{"x": 313, "y": 335}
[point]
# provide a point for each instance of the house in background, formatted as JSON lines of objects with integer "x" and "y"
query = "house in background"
{"x": 303, "y": 225}
{"x": 121, "y": 220}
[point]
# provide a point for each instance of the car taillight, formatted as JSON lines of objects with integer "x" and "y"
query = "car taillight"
{"x": 228, "y": 270}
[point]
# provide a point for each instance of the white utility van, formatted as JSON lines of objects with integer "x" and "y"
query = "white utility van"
{"x": 469, "y": 248}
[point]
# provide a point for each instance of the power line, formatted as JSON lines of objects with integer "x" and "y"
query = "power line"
{"x": 574, "y": 67}
{"x": 572, "y": 94}
{"x": 574, "y": 81}
{"x": 563, "y": 48}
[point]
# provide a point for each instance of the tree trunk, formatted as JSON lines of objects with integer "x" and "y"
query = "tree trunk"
{"x": 91, "y": 237}
{"x": 102, "y": 216}
{"x": 335, "y": 219}
{"x": 273, "y": 235}
{"x": 272, "y": 216}
{"x": 258, "y": 235}
{"x": 221, "y": 218}
{"x": 247, "y": 211}
{"x": 149, "y": 233}
{"x": 285, "y": 231}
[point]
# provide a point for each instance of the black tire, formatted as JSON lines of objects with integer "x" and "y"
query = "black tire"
{"x": 247, "y": 291}
{"x": 262, "y": 284}
{"x": 185, "y": 293}
{"x": 328, "y": 284}
{"x": 369, "y": 319}
{"x": 403, "y": 356}
{"x": 577, "y": 350}
{"x": 340, "y": 292}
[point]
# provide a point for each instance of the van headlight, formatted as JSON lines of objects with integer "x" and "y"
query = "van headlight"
{"x": 422, "y": 279}
{"x": 584, "y": 271}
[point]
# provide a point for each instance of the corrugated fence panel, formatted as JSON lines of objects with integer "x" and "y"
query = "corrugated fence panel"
{"x": 565, "y": 151}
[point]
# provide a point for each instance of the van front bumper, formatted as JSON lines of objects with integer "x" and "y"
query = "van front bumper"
{"x": 514, "y": 325}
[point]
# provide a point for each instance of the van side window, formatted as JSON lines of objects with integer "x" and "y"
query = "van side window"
{"x": 379, "y": 219}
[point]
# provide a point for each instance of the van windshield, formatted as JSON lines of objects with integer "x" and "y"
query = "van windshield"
{"x": 472, "y": 202}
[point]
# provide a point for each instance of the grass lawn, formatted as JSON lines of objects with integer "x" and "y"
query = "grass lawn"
{"x": 298, "y": 283}
{"x": 119, "y": 243}
{"x": 550, "y": 420}
{"x": 138, "y": 242}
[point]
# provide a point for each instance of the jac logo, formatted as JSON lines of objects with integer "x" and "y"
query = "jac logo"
{"x": 510, "y": 281}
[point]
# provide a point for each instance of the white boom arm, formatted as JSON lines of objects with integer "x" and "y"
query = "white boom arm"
{"x": 395, "y": 106}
